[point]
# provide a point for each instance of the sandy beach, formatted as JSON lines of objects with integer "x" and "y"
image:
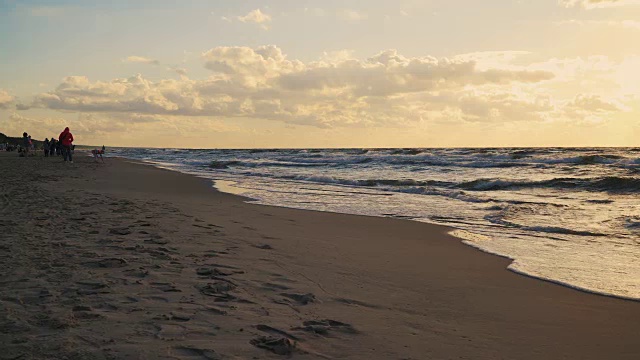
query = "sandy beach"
{"x": 126, "y": 261}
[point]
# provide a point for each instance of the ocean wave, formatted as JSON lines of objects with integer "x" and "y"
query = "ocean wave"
{"x": 606, "y": 184}
{"x": 366, "y": 182}
{"x": 598, "y": 159}
{"x": 521, "y": 154}
{"x": 422, "y": 158}
{"x": 407, "y": 152}
{"x": 458, "y": 195}
{"x": 499, "y": 219}
{"x": 561, "y": 230}
{"x": 222, "y": 164}
{"x": 407, "y": 186}
{"x": 592, "y": 159}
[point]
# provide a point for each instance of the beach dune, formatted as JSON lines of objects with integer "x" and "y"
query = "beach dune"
{"x": 125, "y": 260}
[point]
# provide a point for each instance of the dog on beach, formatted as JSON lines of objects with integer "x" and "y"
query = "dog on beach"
{"x": 98, "y": 153}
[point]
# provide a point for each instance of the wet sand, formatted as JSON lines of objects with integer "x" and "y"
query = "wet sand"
{"x": 126, "y": 261}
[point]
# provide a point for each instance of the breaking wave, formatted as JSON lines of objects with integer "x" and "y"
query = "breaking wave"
{"x": 605, "y": 184}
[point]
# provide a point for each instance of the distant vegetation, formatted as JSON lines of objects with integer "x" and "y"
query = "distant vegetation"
{"x": 18, "y": 140}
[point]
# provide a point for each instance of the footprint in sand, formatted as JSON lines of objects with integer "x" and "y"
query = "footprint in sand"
{"x": 219, "y": 291}
{"x": 142, "y": 223}
{"x": 137, "y": 273}
{"x": 176, "y": 316}
{"x": 273, "y": 286}
{"x": 356, "y": 303}
{"x": 170, "y": 332}
{"x": 108, "y": 263}
{"x": 196, "y": 352}
{"x": 81, "y": 312}
{"x": 263, "y": 246}
{"x": 301, "y": 299}
{"x": 271, "y": 330}
{"x": 323, "y": 327}
{"x": 216, "y": 288}
{"x": 120, "y": 231}
{"x": 216, "y": 310}
{"x": 156, "y": 239}
{"x": 165, "y": 287}
{"x": 280, "y": 346}
{"x": 91, "y": 288}
{"x": 212, "y": 272}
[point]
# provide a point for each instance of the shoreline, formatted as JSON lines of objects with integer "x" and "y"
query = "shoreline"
{"x": 137, "y": 266}
{"x": 450, "y": 231}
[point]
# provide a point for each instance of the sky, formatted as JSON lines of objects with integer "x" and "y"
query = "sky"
{"x": 312, "y": 74}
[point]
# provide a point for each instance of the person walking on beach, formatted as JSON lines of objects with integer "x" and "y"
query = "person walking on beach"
{"x": 66, "y": 139}
{"x": 46, "y": 147}
{"x": 25, "y": 144}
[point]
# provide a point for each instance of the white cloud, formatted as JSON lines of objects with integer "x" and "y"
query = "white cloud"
{"x": 16, "y": 124}
{"x": 592, "y": 103}
{"x": 262, "y": 83}
{"x": 256, "y": 17}
{"x": 84, "y": 126}
{"x": 178, "y": 70}
{"x": 142, "y": 60}
{"x": 595, "y": 4}
{"x": 339, "y": 90}
{"x": 6, "y": 99}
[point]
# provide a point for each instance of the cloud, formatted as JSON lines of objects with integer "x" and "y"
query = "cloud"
{"x": 178, "y": 70}
{"x": 42, "y": 126}
{"x": 256, "y": 17}
{"x": 590, "y": 108}
{"x": 593, "y": 104}
{"x": 83, "y": 126}
{"x": 262, "y": 83}
{"x": 141, "y": 60}
{"x": 6, "y": 100}
{"x": 594, "y": 4}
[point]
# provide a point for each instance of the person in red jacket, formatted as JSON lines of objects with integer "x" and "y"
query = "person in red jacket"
{"x": 66, "y": 139}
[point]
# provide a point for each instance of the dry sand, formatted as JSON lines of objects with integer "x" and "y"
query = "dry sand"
{"x": 126, "y": 261}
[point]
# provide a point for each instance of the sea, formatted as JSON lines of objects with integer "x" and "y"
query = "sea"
{"x": 566, "y": 215}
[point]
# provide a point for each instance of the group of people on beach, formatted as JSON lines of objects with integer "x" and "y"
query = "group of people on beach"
{"x": 63, "y": 145}
{"x": 26, "y": 148}
{"x": 7, "y": 147}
